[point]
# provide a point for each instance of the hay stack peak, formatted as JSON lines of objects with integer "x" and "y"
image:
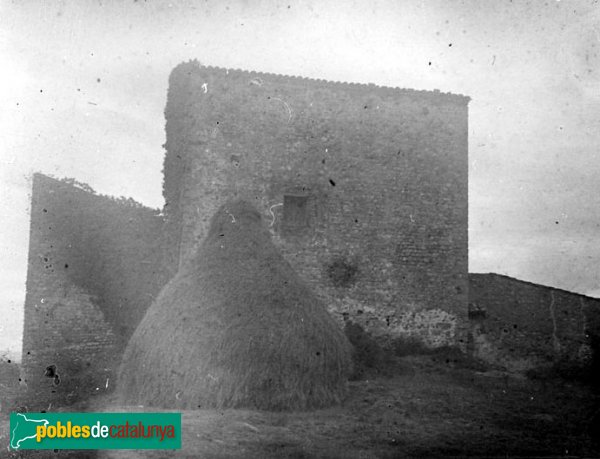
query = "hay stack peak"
{"x": 236, "y": 327}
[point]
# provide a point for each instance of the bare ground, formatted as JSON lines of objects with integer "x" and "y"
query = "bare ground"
{"x": 427, "y": 407}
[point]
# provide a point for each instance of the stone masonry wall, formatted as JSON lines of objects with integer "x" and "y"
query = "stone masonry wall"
{"x": 521, "y": 325}
{"x": 364, "y": 188}
{"x": 95, "y": 265}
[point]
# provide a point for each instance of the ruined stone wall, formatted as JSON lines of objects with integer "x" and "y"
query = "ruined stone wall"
{"x": 95, "y": 265}
{"x": 522, "y": 325}
{"x": 364, "y": 188}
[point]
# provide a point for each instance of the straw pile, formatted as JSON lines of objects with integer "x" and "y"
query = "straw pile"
{"x": 236, "y": 327}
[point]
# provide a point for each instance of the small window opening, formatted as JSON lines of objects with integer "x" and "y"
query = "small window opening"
{"x": 295, "y": 210}
{"x": 476, "y": 313}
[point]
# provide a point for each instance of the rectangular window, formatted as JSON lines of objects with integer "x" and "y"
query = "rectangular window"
{"x": 295, "y": 211}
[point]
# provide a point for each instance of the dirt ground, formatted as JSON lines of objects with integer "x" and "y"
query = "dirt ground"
{"x": 426, "y": 407}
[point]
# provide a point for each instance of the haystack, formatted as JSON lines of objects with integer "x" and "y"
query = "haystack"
{"x": 236, "y": 327}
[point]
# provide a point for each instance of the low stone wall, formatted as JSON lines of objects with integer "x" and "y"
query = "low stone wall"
{"x": 520, "y": 325}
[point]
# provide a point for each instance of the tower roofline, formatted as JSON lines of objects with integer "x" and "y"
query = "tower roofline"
{"x": 196, "y": 66}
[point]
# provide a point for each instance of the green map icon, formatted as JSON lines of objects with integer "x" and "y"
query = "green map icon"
{"x": 23, "y": 429}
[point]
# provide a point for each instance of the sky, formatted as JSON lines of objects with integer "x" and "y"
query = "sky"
{"x": 83, "y": 87}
